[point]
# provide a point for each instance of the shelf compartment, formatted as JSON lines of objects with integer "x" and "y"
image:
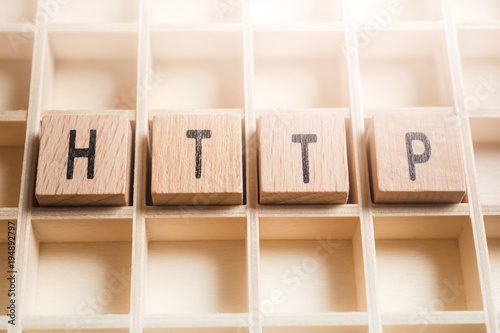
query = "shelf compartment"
{"x": 382, "y": 13}
{"x": 468, "y": 328}
{"x": 17, "y": 11}
{"x": 16, "y": 50}
{"x": 196, "y": 266}
{"x": 296, "y": 11}
{"x": 12, "y": 137}
{"x": 426, "y": 264}
{"x": 87, "y": 259}
{"x": 481, "y": 67}
{"x": 91, "y": 71}
{"x": 311, "y": 265}
{"x": 476, "y": 11}
{"x": 95, "y": 11}
{"x": 207, "y": 11}
{"x": 296, "y": 69}
{"x": 4, "y": 262}
{"x": 486, "y": 140}
{"x": 402, "y": 68}
{"x": 196, "y": 70}
{"x": 492, "y": 224}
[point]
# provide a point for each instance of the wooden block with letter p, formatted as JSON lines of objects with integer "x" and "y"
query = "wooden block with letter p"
{"x": 416, "y": 159}
{"x": 197, "y": 160}
{"x": 303, "y": 159}
{"x": 84, "y": 160}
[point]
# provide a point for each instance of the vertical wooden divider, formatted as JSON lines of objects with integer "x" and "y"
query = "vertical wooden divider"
{"x": 475, "y": 209}
{"x": 139, "y": 240}
{"x": 40, "y": 52}
{"x": 361, "y": 162}
{"x": 252, "y": 192}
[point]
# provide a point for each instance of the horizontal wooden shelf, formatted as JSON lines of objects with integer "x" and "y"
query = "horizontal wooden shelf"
{"x": 196, "y": 321}
{"x": 18, "y": 115}
{"x": 317, "y": 319}
{"x": 8, "y": 213}
{"x": 43, "y": 213}
{"x": 77, "y": 322}
{"x": 349, "y": 210}
{"x": 421, "y": 210}
{"x": 435, "y": 318}
{"x": 188, "y": 211}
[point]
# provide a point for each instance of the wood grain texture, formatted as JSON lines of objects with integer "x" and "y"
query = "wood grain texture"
{"x": 110, "y": 185}
{"x": 281, "y": 161}
{"x": 174, "y": 166}
{"x": 440, "y": 179}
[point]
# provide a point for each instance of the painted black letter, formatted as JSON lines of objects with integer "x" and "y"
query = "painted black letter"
{"x": 199, "y": 135}
{"x": 304, "y": 140}
{"x": 414, "y": 159}
{"x": 87, "y": 153}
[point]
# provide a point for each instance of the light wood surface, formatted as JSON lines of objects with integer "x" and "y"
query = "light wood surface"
{"x": 142, "y": 58}
{"x": 416, "y": 159}
{"x": 197, "y": 160}
{"x": 303, "y": 159}
{"x": 69, "y": 174}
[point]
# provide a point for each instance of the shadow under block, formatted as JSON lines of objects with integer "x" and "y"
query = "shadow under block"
{"x": 197, "y": 160}
{"x": 303, "y": 159}
{"x": 416, "y": 159}
{"x": 99, "y": 177}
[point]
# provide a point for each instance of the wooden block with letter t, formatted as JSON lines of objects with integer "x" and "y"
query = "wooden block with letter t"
{"x": 416, "y": 159}
{"x": 197, "y": 160}
{"x": 84, "y": 160}
{"x": 303, "y": 159}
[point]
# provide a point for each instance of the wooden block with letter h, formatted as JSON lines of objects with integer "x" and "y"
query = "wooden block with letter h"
{"x": 84, "y": 160}
{"x": 416, "y": 159}
{"x": 303, "y": 159}
{"x": 197, "y": 160}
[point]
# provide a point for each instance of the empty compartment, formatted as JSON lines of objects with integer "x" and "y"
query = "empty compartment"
{"x": 382, "y": 13}
{"x": 19, "y": 11}
{"x": 480, "y": 55}
{"x": 426, "y": 264}
{"x": 92, "y": 11}
{"x": 195, "y": 11}
{"x": 90, "y": 260}
{"x": 295, "y": 69}
{"x": 16, "y": 50}
{"x": 404, "y": 69}
{"x": 476, "y": 11}
{"x": 91, "y": 71}
{"x": 12, "y": 136}
{"x": 196, "y": 69}
{"x": 7, "y": 265}
{"x": 311, "y": 265}
{"x": 427, "y": 328}
{"x": 486, "y": 138}
{"x": 296, "y": 11}
{"x": 196, "y": 266}
{"x": 316, "y": 329}
{"x": 492, "y": 224}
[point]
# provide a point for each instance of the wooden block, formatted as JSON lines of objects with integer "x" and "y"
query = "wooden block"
{"x": 303, "y": 159}
{"x": 197, "y": 160}
{"x": 416, "y": 159}
{"x": 84, "y": 160}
